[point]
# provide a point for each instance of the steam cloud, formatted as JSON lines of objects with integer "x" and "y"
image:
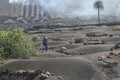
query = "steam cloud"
{"x": 76, "y": 8}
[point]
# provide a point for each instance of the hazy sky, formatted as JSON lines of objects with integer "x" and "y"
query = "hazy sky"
{"x": 79, "y": 7}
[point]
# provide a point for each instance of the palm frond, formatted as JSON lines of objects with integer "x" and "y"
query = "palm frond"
{"x": 98, "y": 4}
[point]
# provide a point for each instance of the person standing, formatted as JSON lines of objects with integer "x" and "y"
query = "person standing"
{"x": 45, "y": 44}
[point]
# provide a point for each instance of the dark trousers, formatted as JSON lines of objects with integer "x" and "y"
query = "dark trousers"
{"x": 45, "y": 47}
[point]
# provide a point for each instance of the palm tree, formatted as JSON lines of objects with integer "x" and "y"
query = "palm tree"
{"x": 99, "y": 6}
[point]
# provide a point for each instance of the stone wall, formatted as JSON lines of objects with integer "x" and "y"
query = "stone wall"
{"x": 31, "y": 9}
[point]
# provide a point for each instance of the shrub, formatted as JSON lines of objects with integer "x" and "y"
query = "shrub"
{"x": 9, "y": 21}
{"x": 1, "y": 53}
{"x": 110, "y": 35}
{"x": 78, "y": 40}
{"x": 15, "y": 44}
{"x": 35, "y": 38}
{"x": 71, "y": 42}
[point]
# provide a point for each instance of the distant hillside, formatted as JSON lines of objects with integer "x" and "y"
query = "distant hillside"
{"x": 25, "y": 16}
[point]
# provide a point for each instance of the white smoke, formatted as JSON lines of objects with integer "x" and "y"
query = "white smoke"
{"x": 77, "y": 7}
{"x": 64, "y": 7}
{"x": 16, "y": 1}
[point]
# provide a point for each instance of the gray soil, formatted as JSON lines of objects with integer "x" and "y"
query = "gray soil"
{"x": 77, "y": 62}
{"x": 70, "y": 68}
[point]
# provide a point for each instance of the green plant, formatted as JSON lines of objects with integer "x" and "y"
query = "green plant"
{"x": 1, "y": 53}
{"x": 15, "y": 44}
{"x": 35, "y": 38}
{"x": 71, "y": 42}
{"x": 9, "y": 21}
{"x": 43, "y": 26}
{"x": 78, "y": 40}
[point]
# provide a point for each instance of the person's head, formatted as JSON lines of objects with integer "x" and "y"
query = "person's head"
{"x": 46, "y": 37}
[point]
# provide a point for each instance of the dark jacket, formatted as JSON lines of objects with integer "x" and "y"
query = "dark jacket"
{"x": 45, "y": 41}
